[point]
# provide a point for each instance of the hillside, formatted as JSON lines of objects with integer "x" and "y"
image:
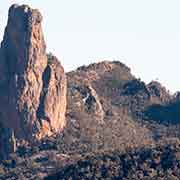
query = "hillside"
{"x": 109, "y": 108}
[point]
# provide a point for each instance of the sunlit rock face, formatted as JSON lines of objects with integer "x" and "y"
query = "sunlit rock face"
{"x": 32, "y": 83}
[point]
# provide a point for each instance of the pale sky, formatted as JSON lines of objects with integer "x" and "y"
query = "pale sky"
{"x": 143, "y": 34}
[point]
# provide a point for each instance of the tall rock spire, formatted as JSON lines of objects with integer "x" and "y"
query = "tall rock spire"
{"x": 32, "y": 84}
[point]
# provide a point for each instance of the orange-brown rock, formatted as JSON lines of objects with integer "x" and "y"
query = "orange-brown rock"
{"x": 32, "y": 83}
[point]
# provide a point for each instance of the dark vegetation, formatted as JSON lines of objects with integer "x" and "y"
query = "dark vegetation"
{"x": 161, "y": 162}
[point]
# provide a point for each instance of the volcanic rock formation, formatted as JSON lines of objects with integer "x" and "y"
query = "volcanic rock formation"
{"x": 32, "y": 83}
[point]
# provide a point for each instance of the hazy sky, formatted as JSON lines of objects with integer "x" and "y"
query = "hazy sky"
{"x": 143, "y": 34}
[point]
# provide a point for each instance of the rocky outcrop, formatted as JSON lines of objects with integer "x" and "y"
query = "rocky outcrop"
{"x": 32, "y": 83}
{"x": 158, "y": 91}
{"x": 83, "y": 99}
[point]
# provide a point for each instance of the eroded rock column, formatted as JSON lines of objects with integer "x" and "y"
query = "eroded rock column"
{"x": 32, "y": 84}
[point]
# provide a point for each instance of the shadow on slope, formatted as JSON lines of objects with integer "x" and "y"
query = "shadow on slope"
{"x": 165, "y": 114}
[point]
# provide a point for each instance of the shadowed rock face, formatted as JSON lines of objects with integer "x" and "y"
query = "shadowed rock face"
{"x": 32, "y": 84}
{"x": 7, "y": 142}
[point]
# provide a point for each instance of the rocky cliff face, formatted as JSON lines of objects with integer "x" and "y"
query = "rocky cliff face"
{"x": 32, "y": 83}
